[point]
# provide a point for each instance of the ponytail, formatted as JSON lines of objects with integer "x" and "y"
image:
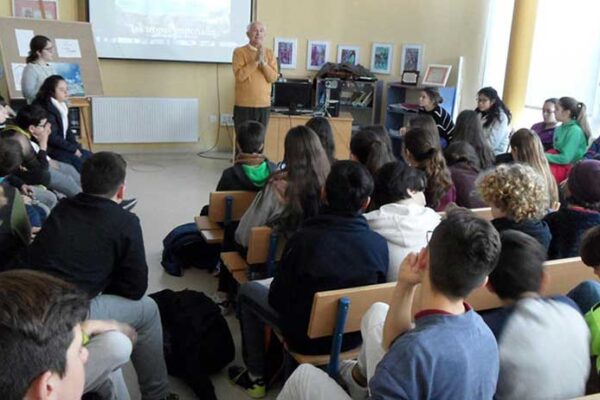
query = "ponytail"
{"x": 578, "y": 113}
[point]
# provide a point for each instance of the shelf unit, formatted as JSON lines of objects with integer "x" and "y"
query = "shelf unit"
{"x": 362, "y": 99}
{"x": 397, "y": 93}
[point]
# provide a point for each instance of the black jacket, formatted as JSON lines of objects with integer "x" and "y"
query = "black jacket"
{"x": 328, "y": 252}
{"x": 535, "y": 228}
{"x": 57, "y": 140}
{"x": 234, "y": 178}
{"x": 93, "y": 243}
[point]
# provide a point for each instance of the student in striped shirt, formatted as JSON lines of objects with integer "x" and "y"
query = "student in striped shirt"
{"x": 429, "y": 103}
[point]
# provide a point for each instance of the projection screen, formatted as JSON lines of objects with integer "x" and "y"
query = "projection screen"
{"x": 174, "y": 30}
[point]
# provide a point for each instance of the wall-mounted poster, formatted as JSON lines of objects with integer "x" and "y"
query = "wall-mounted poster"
{"x": 72, "y": 75}
{"x": 286, "y": 50}
{"x": 38, "y": 9}
{"x": 381, "y": 58}
{"x": 412, "y": 57}
{"x": 348, "y": 54}
{"x": 317, "y": 54}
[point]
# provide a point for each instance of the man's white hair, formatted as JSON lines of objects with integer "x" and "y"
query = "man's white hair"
{"x": 252, "y": 24}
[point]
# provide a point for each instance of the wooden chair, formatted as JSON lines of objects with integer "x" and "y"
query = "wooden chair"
{"x": 485, "y": 213}
{"x": 223, "y": 208}
{"x": 262, "y": 249}
{"x": 340, "y": 311}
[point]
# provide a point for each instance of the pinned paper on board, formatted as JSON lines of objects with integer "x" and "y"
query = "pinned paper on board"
{"x": 24, "y": 36}
{"x": 67, "y": 48}
{"x": 17, "y": 72}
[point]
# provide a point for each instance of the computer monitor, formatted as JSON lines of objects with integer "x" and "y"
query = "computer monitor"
{"x": 292, "y": 94}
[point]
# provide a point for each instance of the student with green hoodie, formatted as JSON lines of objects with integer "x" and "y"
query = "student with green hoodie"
{"x": 251, "y": 169}
{"x": 570, "y": 139}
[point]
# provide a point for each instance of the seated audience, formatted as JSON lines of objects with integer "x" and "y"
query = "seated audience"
{"x": 308, "y": 266}
{"x": 587, "y": 293}
{"x": 293, "y": 193}
{"x": 495, "y": 118}
{"x": 371, "y": 149}
{"x": 400, "y": 215}
{"x": 593, "y": 152}
{"x": 518, "y": 198}
{"x": 322, "y": 127}
{"x": 251, "y": 169}
{"x": 526, "y": 148}
{"x": 581, "y": 213}
{"x": 543, "y": 342}
{"x": 570, "y": 138}
{"x": 15, "y": 228}
{"x": 447, "y": 352}
{"x": 62, "y": 144}
{"x": 31, "y": 129}
{"x": 429, "y": 104}
{"x": 469, "y": 129}
{"x": 46, "y": 342}
{"x": 108, "y": 262}
{"x": 545, "y": 129}
{"x": 422, "y": 150}
{"x": 464, "y": 170}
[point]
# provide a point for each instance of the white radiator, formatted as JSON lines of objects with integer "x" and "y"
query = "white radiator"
{"x": 144, "y": 120}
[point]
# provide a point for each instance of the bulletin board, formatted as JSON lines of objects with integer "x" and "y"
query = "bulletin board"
{"x": 73, "y": 45}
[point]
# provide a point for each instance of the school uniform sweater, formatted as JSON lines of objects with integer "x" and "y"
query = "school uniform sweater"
{"x": 93, "y": 243}
{"x": 567, "y": 226}
{"x": 537, "y": 229}
{"x": 329, "y": 251}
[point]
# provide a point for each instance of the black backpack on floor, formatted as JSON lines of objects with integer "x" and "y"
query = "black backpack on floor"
{"x": 197, "y": 340}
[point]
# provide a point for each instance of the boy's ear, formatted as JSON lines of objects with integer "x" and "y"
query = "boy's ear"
{"x": 30, "y": 128}
{"x": 488, "y": 286}
{"x": 365, "y": 204}
{"x": 121, "y": 192}
{"x": 43, "y": 387}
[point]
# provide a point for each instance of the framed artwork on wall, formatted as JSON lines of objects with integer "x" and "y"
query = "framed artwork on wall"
{"x": 436, "y": 75}
{"x": 317, "y": 54}
{"x": 38, "y": 9}
{"x": 381, "y": 58}
{"x": 348, "y": 54}
{"x": 412, "y": 57}
{"x": 286, "y": 50}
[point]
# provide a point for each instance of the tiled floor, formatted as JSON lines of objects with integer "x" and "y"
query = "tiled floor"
{"x": 171, "y": 189}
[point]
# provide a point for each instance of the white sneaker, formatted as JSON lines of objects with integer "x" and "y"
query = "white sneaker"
{"x": 356, "y": 391}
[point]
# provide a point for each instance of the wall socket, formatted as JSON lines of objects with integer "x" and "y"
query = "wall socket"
{"x": 226, "y": 119}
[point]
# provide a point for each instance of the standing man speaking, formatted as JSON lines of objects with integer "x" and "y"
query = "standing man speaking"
{"x": 255, "y": 70}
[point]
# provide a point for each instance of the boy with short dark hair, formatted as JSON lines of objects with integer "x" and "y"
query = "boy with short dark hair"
{"x": 543, "y": 342}
{"x": 333, "y": 250}
{"x": 90, "y": 241}
{"x": 251, "y": 169}
{"x": 447, "y": 352}
{"x": 41, "y": 337}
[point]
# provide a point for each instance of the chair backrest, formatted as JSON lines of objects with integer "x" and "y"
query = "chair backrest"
{"x": 241, "y": 200}
{"x": 260, "y": 245}
{"x": 564, "y": 275}
{"x": 485, "y": 213}
{"x": 325, "y": 307}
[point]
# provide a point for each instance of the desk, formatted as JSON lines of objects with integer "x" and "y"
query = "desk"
{"x": 280, "y": 124}
{"x": 83, "y": 105}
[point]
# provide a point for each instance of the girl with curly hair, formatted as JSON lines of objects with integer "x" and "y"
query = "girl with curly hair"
{"x": 518, "y": 197}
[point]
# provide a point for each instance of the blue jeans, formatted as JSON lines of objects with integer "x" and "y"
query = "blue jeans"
{"x": 254, "y": 312}
{"x": 147, "y": 356}
{"x": 586, "y": 295}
